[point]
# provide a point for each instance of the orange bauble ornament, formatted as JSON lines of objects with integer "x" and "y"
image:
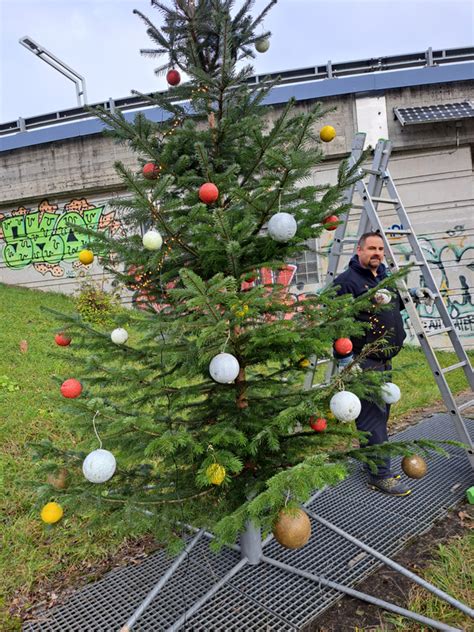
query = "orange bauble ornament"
{"x": 343, "y": 346}
{"x": 330, "y": 223}
{"x": 292, "y": 529}
{"x": 62, "y": 340}
{"x": 208, "y": 193}
{"x": 150, "y": 171}
{"x": 318, "y": 424}
{"x": 71, "y": 388}
{"x": 173, "y": 77}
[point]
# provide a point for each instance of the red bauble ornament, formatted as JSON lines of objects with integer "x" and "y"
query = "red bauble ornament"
{"x": 319, "y": 424}
{"x": 343, "y": 346}
{"x": 150, "y": 171}
{"x": 71, "y": 388}
{"x": 62, "y": 340}
{"x": 208, "y": 193}
{"x": 332, "y": 219}
{"x": 173, "y": 77}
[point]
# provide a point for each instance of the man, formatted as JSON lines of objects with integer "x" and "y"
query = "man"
{"x": 366, "y": 270}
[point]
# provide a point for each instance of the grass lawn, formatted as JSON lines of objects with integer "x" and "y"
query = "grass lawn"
{"x": 32, "y": 410}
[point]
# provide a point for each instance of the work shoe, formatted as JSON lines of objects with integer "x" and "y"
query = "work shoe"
{"x": 391, "y": 486}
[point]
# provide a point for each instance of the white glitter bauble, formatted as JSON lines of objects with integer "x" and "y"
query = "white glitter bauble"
{"x": 152, "y": 240}
{"x": 390, "y": 393}
{"x": 99, "y": 466}
{"x": 345, "y": 406}
{"x": 224, "y": 368}
{"x": 262, "y": 45}
{"x": 383, "y": 297}
{"x": 119, "y": 336}
{"x": 282, "y": 227}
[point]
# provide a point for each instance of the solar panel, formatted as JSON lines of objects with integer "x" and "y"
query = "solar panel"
{"x": 435, "y": 113}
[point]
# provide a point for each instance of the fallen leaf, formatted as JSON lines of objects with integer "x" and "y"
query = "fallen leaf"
{"x": 23, "y": 346}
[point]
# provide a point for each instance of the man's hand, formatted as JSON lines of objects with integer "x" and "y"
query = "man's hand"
{"x": 422, "y": 295}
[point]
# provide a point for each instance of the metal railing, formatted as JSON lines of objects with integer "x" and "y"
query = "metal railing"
{"x": 329, "y": 70}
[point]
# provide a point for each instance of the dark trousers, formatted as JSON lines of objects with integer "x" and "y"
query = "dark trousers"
{"x": 373, "y": 418}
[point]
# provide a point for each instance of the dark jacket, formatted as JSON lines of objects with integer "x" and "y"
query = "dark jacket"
{"x": 384, "y": 320}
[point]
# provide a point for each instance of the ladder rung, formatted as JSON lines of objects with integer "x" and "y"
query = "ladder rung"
{"x": 436, "y": 332}
{"x": 385, "y": 200}
{"x": 349, "y": 240}
{"x": 454, "y": 366}
{"x": 373, "y": 172}
{"x": 466, "y": 405}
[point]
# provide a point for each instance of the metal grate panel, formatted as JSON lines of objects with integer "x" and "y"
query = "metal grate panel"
{"x": 264, "y": 597}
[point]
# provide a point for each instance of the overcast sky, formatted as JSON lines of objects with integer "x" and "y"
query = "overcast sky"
{"x": 101, "y": 39}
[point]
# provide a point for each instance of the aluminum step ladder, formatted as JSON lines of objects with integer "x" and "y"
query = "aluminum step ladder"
{"x": 381, "y": 190}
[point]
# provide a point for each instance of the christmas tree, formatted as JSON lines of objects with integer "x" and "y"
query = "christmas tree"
{"x": 197, "y": 397}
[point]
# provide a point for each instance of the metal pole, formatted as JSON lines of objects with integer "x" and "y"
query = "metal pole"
{"x": 177, "y": 624}
{"x": 152, "y": 594}
{"x": 251, "y": 543}
{"x": 56, "y": 63}
{"x": 437, "y": 625}
{"x": 386, "y": 560}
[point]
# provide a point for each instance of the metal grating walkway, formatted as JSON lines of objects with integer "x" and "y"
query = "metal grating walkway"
{"x": 264, "y": 597}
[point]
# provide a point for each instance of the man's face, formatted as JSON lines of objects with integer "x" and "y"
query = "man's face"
{"x": 371, "y": 253}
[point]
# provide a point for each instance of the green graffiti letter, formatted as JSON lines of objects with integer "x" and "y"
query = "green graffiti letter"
{"x": 18, "y": 250}
{"x": 73, "y": 240}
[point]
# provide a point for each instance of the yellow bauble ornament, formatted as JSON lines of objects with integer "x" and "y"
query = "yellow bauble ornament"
{"x": 304, "y": 363}
{"x": 86, "y": 257}
{"x": 51, "y": 513}
{"x": 327, "y": 133}
{"x": 215, "y": 473}
{"x": 292, "y": 530}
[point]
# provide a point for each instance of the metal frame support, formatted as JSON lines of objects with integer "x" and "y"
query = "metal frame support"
{"x": 156, "y": 589}
{"x": 437, "y": 625}
{"x": 389, "y": 562}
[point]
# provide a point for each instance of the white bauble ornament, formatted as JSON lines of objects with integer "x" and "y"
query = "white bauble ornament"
{"x": 224, "y": 368}
{"x": 282, "y": 227}
{"x": 345, "y": 406}
{"x": 152, "y": 240}
{"x": 390, "y": 393}
{"x": 119, "y": 336}
{"x": 262, "y": 45}
{"x": 383, "y": 297}
{"x": 99, "y": 466}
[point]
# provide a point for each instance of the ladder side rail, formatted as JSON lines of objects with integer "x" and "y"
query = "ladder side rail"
{"x": 437, "y": 371}
{"x": 419, "y": 330}
{"x": 383, "y": 149}
{"x": 431, "y": 284}
{"x": 336, "y": 251}
{"x": 340, "y": 233}
{"x": 376, "y": 180}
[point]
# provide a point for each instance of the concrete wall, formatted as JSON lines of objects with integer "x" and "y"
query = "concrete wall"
{"x": 431, "y": 164}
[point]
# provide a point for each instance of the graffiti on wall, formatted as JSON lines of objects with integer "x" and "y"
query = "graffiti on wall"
{"x": 451, "y": 260}
{"x": 46, "y": 238}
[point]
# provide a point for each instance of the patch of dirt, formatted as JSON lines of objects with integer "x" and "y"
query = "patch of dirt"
{"x": 352, "y": 615}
